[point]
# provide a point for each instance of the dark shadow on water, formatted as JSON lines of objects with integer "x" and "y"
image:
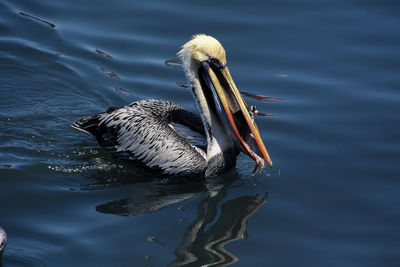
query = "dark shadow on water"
{"x": 219, "y": 220}
{"x": 152, "y": 196}
{"x": 155, "y": 193}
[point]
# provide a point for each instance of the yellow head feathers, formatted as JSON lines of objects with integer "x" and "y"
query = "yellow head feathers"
{"x": 202, "y": 47}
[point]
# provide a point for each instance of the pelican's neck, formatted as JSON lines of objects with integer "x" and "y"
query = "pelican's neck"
{"x": 218, "y": 139}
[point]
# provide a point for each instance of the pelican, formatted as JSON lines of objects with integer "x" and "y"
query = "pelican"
{"x": 3, "y": 241}
{"x": 162, "y": 136}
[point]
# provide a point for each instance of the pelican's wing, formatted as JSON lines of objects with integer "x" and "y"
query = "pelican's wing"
{"x": 194, "y": 138}
{"x": 141, "y": 132}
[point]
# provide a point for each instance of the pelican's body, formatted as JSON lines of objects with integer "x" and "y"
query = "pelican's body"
{"x": 159, "y": 135}
{"x": 163, "y": 136}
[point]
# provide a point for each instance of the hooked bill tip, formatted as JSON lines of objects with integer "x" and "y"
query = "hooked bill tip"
{"x": 258, "y": 166}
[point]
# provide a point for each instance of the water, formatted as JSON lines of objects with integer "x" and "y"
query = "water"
{"x": 331, "y": 198}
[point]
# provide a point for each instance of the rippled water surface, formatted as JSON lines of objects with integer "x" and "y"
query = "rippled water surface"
{"x": 332, "y": 198}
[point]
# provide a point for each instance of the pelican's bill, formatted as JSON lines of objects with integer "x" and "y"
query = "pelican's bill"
{"x": 233, "y": 112}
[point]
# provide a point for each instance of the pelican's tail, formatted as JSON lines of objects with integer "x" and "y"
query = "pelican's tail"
{"x": 87, "y": 124}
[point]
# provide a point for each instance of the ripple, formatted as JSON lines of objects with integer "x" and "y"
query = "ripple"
{"x": 23, "y": 252}
{"x": 37, "y": 19}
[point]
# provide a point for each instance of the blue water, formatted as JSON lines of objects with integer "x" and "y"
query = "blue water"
{"x": 332, "y": 198}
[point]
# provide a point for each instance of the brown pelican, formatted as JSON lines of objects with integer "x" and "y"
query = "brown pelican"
{"x": 163, "y": 136}
{"x": 3, "y": 241}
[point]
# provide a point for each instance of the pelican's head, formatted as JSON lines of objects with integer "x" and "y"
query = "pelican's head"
{"x": 204, "y": 60}
{"x": 204, "y": 47}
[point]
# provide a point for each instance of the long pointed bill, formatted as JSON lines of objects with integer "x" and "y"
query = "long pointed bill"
{"x": 242, "y": 125}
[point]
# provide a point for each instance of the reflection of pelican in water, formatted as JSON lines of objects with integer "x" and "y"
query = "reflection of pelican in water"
{"x": 205, "y": 247}
{"x": 219, "y": 221}
{"x": 162, "y": 136}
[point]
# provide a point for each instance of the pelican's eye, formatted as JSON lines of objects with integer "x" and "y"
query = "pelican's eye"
{"x": 216, "y": 63}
